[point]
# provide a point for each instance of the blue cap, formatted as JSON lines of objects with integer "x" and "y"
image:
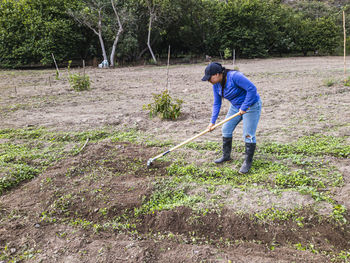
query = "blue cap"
{"x": 212, "y": 69}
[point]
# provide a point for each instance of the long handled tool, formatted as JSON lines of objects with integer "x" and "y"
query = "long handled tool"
{"x": 150, "y": 161}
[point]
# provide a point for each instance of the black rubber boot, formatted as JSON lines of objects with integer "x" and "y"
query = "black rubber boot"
{"x": 226, "y": 150}
{"x": 249, "y": 153}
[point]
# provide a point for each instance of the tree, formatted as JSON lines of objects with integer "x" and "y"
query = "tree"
{"x": 120, "y": 30}
{"x": 153, "y": 7}
{"x": 188, "y": 26}
{"x": 326, "y": 35}
{"x": 30, "y": 31}
{"x": 93, "y": 14}
{"x": 250, "y": 26}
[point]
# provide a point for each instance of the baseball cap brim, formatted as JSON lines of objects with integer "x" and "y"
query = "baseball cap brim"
{"x": 206, "y": 78}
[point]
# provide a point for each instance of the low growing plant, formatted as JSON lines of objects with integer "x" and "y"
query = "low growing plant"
{"x": 347, "y": 82}
{"x": 330, "y": 82}
{"x": 164, "y": 106}
{"x": 78, "y": 82}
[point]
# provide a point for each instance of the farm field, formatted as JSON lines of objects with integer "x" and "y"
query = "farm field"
{"x": 75, "y": 187}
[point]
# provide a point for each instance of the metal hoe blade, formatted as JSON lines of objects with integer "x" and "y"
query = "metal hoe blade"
{"x": 149, "y": 162}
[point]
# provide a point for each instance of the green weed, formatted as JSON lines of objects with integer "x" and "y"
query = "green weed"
{"x": 343, "y": 256}
{"x": 24, "y": 254}
{"x": 208, "y": 146}
{"x": 167, "y": 195}
{"x": 83, "y": 223}
{"x": 294, "y": 179}
{"x": 329, "y": 82}
{"x": 37, "y": 148}
{"x": 126, "y": 136}
{"x": 314, "y": 145}
{"x": 338, "y": 214}
{"x": 272, "y": 214}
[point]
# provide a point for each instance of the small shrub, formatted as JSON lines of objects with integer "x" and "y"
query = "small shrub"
{"x": 347, "y": 82}
{"x": 78, "y": 82}
{"x": 164, "y": 107}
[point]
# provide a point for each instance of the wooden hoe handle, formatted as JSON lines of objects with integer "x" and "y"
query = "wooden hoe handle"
{"x": 193, "y": 138}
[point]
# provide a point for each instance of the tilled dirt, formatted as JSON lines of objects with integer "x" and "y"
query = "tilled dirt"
{"x": 296, "y": 102}
{"x": 23, "y": 228}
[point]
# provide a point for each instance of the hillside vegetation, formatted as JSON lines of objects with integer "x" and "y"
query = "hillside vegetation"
{"x": 133, "y": 31}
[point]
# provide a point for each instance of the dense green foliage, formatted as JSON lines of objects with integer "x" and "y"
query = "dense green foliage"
{"x": 30, "y": 31}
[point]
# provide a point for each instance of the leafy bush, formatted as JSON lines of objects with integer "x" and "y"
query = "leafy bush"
{"x": 164, "y": 107}
{"x": 29, "y": 34}
{"x": 347, "y": 82}
{"x": 78, "y": 82}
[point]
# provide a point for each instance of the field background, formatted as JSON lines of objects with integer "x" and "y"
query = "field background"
{"x": 75, "y": 187}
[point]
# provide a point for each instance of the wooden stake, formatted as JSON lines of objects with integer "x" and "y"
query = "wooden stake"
{"x": 84, "y": 67}
{"x": 344, "y": 46}
{"x": 167, "y": 72}
{"x": 234, "y": 57}
{"x": 54, "y": 60}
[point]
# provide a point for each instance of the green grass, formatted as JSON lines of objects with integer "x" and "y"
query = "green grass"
{"x": 314, "y": 145}
{"x": 25, "y": 153}
{"x": 299, "y": 166}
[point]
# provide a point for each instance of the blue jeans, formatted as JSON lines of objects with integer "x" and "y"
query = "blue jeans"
{"x": 250, "y": 122}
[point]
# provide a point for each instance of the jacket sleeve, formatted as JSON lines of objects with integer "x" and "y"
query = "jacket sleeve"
{"x": 244, "y": 83}
{"x": 216, "y": 106}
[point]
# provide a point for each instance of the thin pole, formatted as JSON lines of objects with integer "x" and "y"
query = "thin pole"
{"x": 54, "y": 60}
{"x": 84, "y": 67}
{"x": 234, "y": 57}
{"x": 167, "y": 69}
{"x": 344, "y": 45}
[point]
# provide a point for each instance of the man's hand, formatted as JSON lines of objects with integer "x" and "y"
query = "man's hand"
{"x": 210, "y": 127}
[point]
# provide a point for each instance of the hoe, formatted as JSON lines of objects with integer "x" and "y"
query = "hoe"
{"x": 150, "y": 161}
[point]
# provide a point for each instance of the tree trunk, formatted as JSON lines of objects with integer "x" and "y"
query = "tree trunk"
{"x": 120, "y": 30}
{"x": 145, "y": 49}
{"x": 104, "y": 54}
{"x": 149, "y": 35}
{"x": 85, "y": 21}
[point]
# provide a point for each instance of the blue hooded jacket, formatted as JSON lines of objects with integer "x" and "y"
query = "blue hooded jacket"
{"x": 239, "y": 90}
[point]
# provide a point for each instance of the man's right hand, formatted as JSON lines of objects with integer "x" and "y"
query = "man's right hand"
{"x": 210, "y": 127}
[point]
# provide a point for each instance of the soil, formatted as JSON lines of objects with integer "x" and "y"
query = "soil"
{"x": 296, "y": 102}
